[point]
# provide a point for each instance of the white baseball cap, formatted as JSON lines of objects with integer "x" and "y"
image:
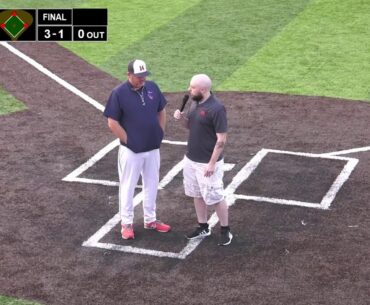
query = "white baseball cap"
{"x": 138, "y": 68}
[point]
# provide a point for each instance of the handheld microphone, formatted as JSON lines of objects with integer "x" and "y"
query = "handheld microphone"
{"x": 184, "y": 100}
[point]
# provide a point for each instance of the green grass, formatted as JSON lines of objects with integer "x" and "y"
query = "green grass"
{"x": 325, "y": 51}
{"x": 12, "y": 301}
{"x": 9, "y": 104}
{"x": 214, "y": 36}
{"x": 129, "y": 23}
{"x": 317, "y": 47}
{"x": 180, "y": 38}
{"x": 307, "y": 47}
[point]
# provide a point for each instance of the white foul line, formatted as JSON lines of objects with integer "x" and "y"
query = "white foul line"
{"x": 65, "y": 84}
{"x": 53, "y": 76}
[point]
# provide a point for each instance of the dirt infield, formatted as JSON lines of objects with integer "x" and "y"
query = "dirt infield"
{"x": 280, "y": 255}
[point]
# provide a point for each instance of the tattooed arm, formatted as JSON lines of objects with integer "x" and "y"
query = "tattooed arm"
{"x": 217, "y": 151}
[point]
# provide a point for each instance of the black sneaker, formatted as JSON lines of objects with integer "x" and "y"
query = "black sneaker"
{"x": 225, "y": 238}
{"x": 198, "y": 233}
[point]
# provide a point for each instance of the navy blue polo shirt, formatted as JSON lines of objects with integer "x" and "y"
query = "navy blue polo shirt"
{"x": 137, "y": 113}
{"x": 205, "y": 120}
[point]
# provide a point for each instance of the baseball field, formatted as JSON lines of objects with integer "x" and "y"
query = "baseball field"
{"x": 294, "y": 78}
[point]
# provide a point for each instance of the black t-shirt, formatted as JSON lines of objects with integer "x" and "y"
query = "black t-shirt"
{"x": 205, "y": 120}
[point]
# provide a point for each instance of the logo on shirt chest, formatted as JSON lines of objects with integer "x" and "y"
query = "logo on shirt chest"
{"x": 202, "y": 113}
{"x": 151, "y": 95}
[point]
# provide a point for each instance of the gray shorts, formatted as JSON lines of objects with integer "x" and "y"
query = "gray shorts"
{"x": 211, "y": 189}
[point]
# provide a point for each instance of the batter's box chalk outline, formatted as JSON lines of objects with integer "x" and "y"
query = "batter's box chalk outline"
{"x": 94, "y": 240}
{"x": 74, "y": 176}
{"x": 328, "y": 197}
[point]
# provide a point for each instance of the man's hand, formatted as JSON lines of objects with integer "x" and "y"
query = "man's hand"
{"x": 209, "y": 170}
{"x": 178, "y": 114}
{"x": 117, "y": 130}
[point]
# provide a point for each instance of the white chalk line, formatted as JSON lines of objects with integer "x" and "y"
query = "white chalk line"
{"x": 94, "y": 159}
{"x": 238, "y": 179}
{"x": 329, "y": 196}
{"x": 95, "y": 181}
{"x": 53, "y": 76}
{"x": 175, "y": 142}
{"x": 279, "y": 201}
{"x": 105, "y": 229}
{"x": 348, "y": 151}
{"x": 332, "y": 156}
{"x": 135, "y": 250}
{"x": 74, "y": 175}
{"x": 93, "y": 241}
{"x": 242, "y": 175}
{"x": 338, "y": 183}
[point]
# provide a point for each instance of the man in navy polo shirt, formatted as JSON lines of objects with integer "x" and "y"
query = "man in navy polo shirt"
{"x": 137, "y": 116}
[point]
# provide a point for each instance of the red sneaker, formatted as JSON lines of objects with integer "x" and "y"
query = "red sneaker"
{"x": 127, "y": 231}
{"x": 158, "y": 226}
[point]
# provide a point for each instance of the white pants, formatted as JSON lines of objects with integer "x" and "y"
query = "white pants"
{"x": 130, "y": 166}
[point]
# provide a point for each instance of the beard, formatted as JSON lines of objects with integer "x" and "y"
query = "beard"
{"x": 198, "y": 97}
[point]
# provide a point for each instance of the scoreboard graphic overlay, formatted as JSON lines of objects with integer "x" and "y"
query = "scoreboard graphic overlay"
{"x": 78, "y": 24}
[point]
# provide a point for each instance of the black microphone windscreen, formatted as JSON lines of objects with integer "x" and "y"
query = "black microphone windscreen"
{"x": 184, "y": 100}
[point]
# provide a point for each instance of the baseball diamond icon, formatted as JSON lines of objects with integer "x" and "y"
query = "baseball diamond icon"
{"x": 15, "y": 22}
